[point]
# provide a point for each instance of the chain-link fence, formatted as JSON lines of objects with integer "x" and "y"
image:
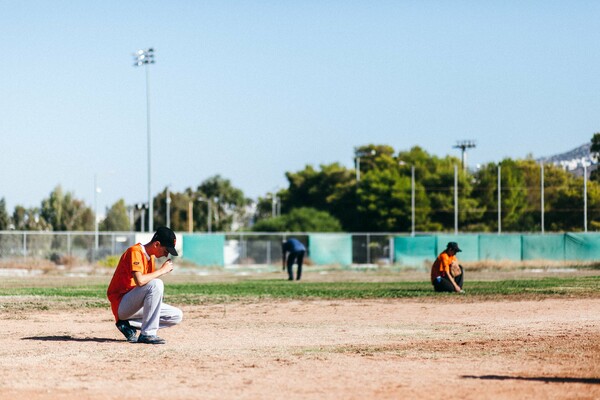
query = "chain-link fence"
{"x": 235, "y": 249}
{"x": 78, "y": 247}
{"x": 265, "y": 249}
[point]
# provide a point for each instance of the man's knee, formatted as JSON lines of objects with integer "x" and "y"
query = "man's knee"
{"x": 173, "y": 316}
{"x": 156, "y": 285}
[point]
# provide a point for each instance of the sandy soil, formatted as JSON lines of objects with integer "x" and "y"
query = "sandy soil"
{"x": 375, "y": 349}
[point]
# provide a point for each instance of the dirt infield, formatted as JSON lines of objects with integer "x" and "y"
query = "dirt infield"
{"x": 375, "y": 349}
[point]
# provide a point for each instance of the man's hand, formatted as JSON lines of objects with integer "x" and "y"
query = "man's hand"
{"x": 167, "y": 266}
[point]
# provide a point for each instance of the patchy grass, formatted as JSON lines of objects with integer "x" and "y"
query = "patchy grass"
{"x": 82, "y": 295}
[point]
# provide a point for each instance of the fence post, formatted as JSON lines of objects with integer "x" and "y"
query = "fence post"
{"x": 268, "y": 252}
{"x": 24, "y": 244}
{"x": 368, "y": 249}
{"x": 69, "y": 244}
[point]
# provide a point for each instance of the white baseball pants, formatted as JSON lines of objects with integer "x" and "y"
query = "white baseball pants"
{"x": 142, "y": 306}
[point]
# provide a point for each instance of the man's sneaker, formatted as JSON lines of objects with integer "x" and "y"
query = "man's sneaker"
{"x": 127, "y": 330}
{"x": 150, "y": 339}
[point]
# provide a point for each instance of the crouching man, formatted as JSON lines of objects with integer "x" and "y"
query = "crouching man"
{"x": 136, "y": 294}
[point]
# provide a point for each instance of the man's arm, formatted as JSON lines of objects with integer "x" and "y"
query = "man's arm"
{"x": 447, "y": 263}
{"x": 142, "y": 279}
{"x": 451, "y": 279}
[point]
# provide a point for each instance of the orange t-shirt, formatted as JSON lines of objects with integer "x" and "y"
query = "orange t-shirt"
{"x": 135, "y": 259}
{"x": 441, "y": 266}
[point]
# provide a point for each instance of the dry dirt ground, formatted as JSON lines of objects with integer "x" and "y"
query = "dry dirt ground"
{"x": 358, "y": 349}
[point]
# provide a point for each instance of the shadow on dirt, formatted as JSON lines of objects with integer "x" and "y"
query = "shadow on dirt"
{"x": 545, "y": 379}
{"x": 67, "y": 338}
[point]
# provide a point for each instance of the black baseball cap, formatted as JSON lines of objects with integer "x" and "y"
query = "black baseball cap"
{"x": 166, "y": 237}
{"x": 453, "y": 246}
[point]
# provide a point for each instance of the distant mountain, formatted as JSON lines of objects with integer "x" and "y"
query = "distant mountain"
{"x": 573, "y": 160}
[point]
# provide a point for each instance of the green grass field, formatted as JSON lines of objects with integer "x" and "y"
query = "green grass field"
{"x": 93, "y": 295}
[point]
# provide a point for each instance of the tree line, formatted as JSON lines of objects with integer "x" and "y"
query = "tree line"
{"x": 380, "y": 194}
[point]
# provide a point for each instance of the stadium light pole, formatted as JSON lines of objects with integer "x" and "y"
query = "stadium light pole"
{"x": 463, "y": 145}
{"x": 358, "y": 155}
{"x": 145, "y": 57}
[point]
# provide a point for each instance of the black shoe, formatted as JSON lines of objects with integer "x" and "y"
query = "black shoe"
{"x": 150, "y": 339}
{"x": 127, "y": 330}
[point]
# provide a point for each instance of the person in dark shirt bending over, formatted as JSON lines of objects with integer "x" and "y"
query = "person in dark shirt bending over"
{"x": 294, "y": 250}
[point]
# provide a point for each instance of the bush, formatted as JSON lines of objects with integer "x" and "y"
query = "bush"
{"x": 109, "y": 261}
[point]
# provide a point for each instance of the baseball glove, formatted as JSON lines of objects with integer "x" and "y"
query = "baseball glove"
{"x": 455, "y": 269}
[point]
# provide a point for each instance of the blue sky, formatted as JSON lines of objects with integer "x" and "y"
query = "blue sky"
{"x": 252, "y": 89}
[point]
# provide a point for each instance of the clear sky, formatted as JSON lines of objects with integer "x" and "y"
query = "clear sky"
{"x": 252, "y": 89}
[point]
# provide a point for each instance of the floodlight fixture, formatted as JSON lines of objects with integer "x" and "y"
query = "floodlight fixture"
{"x": 463, "y": 145}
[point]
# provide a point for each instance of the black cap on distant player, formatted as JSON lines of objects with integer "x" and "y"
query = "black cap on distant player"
{"x": 166, "y": 237}
{"x": 453, "y": 246}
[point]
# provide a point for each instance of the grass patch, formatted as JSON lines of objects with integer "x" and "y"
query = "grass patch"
{"x": 94, "y": 295}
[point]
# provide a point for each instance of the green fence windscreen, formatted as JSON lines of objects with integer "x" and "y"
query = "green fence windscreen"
{"x": 468, "y": 244}
{"x": 582, "y": 246}
{"x": 330, "y": 249}
{"x": 544, "y": 247}
{"x": 500, "y": 247}
{"x": 417, "y": 251}
{"x": 204, "y": 250}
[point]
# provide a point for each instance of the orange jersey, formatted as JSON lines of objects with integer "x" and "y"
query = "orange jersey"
{"x": 441, "y": 266}
{"x": 135, "y": 259}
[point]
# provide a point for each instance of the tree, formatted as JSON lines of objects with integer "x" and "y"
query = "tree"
{"x": 65, "y": 213}
{"x": 4, "y": 217}
{"x": 371, "y": 156}
{"x": 331, "y": 189}
{"x": 435, "y": 177}
{"x": 384, "y": 201}
{"x": 303, "y": 219}
{"x": 485, "y": 191}
{"x": 116, "y": 218}
{"x": 179, "y": 209}
{"x": 29, "y": 219}
{"x": 595, "y": 152}
{"x": 228, "y": 206}
{"x": 595, "y": 147}
{"x": 520, "y": 195}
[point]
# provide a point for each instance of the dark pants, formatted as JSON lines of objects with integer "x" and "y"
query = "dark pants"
{"x": 442, "y": 284}
{"x": 295, "y": 257}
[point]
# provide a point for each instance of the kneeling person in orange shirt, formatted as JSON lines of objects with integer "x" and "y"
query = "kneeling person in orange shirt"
{"x": 136, "y": 294}
{"x": 442, "y": 278}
